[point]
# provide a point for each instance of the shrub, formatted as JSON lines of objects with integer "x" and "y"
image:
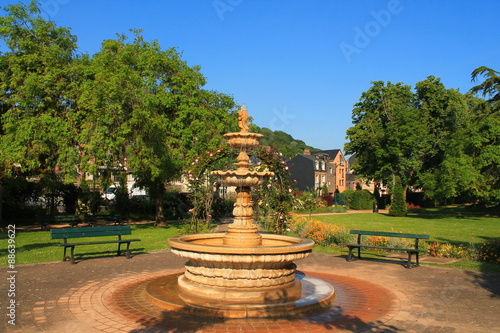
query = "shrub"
{"x": 398, "y": 205}
{"x": 488, "y": 252}
{"x": 308, "y": 202}
{"x": 361, "y": 200}
{"x": 346, "y": 196}
{"x": 321, "y": 234}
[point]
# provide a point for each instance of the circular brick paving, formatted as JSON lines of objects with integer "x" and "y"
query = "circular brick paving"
{"x": 120, "y": 305}
{"x": 358, "y": 303}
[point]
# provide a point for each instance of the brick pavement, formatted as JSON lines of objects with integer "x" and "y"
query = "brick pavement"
{"x": 106, "y": 295}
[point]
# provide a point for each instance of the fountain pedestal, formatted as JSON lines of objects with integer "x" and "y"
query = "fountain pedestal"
{"x": 242, "y": 273}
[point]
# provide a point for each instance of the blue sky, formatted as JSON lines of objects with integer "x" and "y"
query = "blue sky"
{"x": 301, "y": 65}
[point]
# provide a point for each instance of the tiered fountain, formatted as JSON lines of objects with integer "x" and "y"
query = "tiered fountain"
{"x": 242, "y": 273}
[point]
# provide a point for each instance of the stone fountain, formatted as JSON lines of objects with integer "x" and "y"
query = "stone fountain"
{"x": 241, "y": 273}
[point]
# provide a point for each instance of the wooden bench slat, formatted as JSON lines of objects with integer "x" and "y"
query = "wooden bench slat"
{"x": 90, "y": 232}
{"x": 382, "y": 247}
{"x": 388, "y": 234}
{"x": 99, "y": 242}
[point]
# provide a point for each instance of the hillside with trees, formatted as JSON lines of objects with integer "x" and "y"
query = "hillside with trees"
{"x": 281, "y": 141}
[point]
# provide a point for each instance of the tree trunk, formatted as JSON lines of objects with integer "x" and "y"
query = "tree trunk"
{"x": 160, "y": 192}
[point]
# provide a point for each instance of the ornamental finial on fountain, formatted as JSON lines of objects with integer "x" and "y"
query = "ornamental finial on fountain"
{"x": 243, "y": 118}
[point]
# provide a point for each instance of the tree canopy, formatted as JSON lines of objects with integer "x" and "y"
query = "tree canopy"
{"x": 433, "y": 138}
{"x": 131, "y": 106}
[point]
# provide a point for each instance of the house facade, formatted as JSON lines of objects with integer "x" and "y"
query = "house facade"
{"x": 313, "y": 170}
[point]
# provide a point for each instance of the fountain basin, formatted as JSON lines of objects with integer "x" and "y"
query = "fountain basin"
{"x": 213, "y": 243}
{"x": 248, "y": 179}
{"x": 225, "y": 277}
{"x": 243, "y": 139}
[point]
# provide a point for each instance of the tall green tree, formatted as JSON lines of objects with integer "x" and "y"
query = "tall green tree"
{"x": 144, "y": 109}
{"x": 388, "y": 137}
{"x": 447, "y": 142}
{"x": 483, "y": 145}
{"x": 36, "y": 82}
{"x": 446, "y": 169}
{"x": 35, "y": 89}
{"x": 490, "y": 87}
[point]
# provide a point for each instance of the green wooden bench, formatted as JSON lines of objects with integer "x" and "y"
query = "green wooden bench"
{"x": 65, "y": 233}
{"x": 93, "y": 219}
{"x": 44, "y": 221}
{"x": 415, "y": 250}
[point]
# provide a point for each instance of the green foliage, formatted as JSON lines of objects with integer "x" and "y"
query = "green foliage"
{"x": 130, "y": 106}
{"x": 487, "y": 252}
{"x": 360, "y": 200}
{"x": 274, "y": 197}
{"x": 346, "y": 197}
{"x": 324, "y": 190}
{"x": 37, "y": 82}
{"x": 388, "y": 135}
{"x": 434, "y": 138}
{"x": 89, "y": 199}
{"x": 398, "y": 203}
{"x": 306, "y": 201}
{"x": 203, "y": 197}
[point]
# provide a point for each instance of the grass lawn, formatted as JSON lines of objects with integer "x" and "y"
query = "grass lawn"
{"x": 36, "y": 246}
{"x": 456, "y": 230}
{"x": 442, "y": 228}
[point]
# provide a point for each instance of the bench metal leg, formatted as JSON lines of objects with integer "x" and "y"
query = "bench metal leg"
{"x": 72, "y": 254}
{"x": 349, "y": 257}
{"x": 127, "y": 250}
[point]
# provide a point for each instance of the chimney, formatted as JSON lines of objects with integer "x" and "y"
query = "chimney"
{"x": 307, "y": 152}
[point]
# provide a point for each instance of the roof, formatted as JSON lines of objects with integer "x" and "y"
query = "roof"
{"x": 331, "y": 152}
